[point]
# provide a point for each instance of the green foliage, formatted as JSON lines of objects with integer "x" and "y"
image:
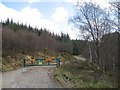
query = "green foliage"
{"x": 99, "y": 84}
{"x": 80, "y": 47}
{"x": 82, "y": 74}
{"x": 6, "y": 68}
{"x": 12, "y": 62}
{"x": 0, "y": 69}
{"x": 68, "y": 56}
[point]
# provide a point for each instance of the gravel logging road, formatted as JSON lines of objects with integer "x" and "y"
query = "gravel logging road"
{"x": 29, "y": 77}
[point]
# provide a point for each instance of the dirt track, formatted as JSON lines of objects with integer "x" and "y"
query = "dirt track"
{"x": 29, "y": 77}
{"x": 80, "y": 58}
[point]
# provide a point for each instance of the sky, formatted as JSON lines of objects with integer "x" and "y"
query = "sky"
{"x": 50, "y": 14}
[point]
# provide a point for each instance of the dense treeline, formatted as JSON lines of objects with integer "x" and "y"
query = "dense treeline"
{"x": 108, "y": 53}
{"x": 25, "y": 39}
{"x": 19, "y": 38}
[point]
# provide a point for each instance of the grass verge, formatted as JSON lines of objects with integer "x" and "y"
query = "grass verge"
{"x": 82, "y": 74}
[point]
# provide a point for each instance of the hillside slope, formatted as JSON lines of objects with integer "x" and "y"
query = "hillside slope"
{"x": 80, "y": 73}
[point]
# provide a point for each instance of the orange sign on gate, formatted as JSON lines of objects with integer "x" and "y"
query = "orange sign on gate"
{"x": 48, "y": 59}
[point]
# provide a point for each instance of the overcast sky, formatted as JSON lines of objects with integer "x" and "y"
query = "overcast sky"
{"x": 50, "y": 14}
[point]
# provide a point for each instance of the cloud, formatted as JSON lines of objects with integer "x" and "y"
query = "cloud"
{"x": 32, "y": 16}
{"x": 32, "y": 1}
{"x": 74, "y": 34}
{"x": 6, "y": 12}
{"x": 60, "y": 14}
{"x": 28, "y": 16}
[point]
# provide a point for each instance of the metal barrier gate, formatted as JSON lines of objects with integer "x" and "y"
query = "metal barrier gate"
{"x": 42, "y": 62}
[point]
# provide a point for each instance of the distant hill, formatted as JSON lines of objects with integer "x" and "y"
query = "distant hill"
{"x": 26, "y": 39}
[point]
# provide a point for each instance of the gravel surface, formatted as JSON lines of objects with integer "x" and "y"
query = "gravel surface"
{"x": 29, "y": 77}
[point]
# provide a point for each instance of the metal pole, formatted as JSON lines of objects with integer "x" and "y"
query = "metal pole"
{"x": 58, "y": 61}
{"x": 24, "y": 62}
{"x": 48, "y": 62}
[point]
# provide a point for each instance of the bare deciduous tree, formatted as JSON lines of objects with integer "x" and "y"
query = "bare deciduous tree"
{"x": 116, "y": 8}
{"x": 93, "y": 21}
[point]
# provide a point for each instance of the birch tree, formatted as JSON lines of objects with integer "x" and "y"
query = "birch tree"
{"x": 93, "y": 21}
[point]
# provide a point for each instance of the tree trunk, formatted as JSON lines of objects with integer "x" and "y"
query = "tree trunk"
{"x": 90, "y": 52}
{"x": 97, "y": 52}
